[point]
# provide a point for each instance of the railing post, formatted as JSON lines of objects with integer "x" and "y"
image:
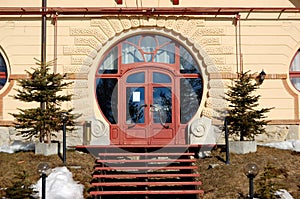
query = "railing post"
{"x": 226, "y": 141}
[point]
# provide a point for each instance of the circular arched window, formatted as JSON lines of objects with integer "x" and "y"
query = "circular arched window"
{"x": 147, "y": 82}
{"x": 3, "y": 71}
{"x": 295, "y": 71}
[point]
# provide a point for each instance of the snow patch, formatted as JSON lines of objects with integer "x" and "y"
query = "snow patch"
{"x": 17, "y": 146}
{"x": 60, "y": 185}
{"x": 285, "y": 145}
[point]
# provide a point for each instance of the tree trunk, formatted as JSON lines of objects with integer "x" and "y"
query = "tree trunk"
{"x": 242, "y": 135}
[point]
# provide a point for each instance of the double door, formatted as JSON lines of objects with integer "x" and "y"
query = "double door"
{"x": 147, "y": 107}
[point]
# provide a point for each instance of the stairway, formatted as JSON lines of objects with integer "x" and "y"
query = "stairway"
{"x": 169, "y": 172}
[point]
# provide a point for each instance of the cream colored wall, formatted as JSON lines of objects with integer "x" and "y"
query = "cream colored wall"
{"x": 268, "y": 43}
{"x": 268, "y": 48}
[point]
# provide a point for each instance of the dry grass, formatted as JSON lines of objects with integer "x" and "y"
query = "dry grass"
{"x": 228, "y": 181}
{"x": 223, "y": 181}
{"x": 12, "y": 164}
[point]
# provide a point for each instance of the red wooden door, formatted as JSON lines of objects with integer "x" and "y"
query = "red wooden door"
{"x": 147, "y": 107}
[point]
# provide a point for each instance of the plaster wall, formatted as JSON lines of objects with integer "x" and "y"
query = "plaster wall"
{"x": 267, "y": 43}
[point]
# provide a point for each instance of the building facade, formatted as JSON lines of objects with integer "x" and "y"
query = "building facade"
{"x": 155, "y": 72}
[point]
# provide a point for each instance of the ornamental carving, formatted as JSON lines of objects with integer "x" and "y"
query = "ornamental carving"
{"x": 98, "y": 128}
{"x": 76, "y": 69}
{"x": 148, "y": 21}
{"x": 90, "y": 31}
{"x": 125, "y": 23}
{"x": 79, "y": 50}
{"x": 169, "y": 22}
{"x": 116, "y": 25}
{"x": 198, "y": 128}
{"x": 179, "y": 24}
{"x": 219, "y": 50}
{"x": 216, "y": 103}
{"x": 216, "y": 93}
{"x": 88, "y": 41}
{"x": 135, "y": 22}
{"x": 78, "y": 60}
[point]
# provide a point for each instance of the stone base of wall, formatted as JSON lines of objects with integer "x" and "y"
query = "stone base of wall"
{"x": 275, "y": 133}
{"x": 278, "y": 133}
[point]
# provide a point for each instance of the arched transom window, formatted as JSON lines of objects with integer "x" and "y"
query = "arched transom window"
{"x": 160, "y": 61}
{"x": 295, "y": 71}
{"x": 3, "y": 71}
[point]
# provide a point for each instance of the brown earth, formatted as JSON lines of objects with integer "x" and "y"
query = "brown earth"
{"x": 222, "y": 181}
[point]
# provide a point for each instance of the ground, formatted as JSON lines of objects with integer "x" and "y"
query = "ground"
{"x": 220, "y": 180}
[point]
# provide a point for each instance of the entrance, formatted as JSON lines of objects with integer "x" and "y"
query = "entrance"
{"x": 148, "y": 88}
{"x": 148, "y": 107}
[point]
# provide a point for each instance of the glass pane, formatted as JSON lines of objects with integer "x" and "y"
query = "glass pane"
{"x": 296, "y": 62}
{"x": 162, "y": 105}
{"x": 134, "y": 40}
{"x": 3, "y": 72}
{"x": 161, "y": 78}
{"x": 166, "y": 54}
{"x": 187, "y": 62}
{"x": 130, "y": 54}
{"x": 107, "y": 97}
{"x": 162, "y": 40}
{"x": 135, "y": 98}
{"x": 110, "y": 63}
{"x": 296, "y": 82}
{"x": 190, "y": 98}
{"x": 148, "y": 57}
{"x": 148, "y": 44}
{"x": 136, "y": 78}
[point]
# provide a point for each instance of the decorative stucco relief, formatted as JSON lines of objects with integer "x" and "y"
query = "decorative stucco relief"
{"x": 116, "y": 24}
{"x": 219, "y": 50}
{"x": 210, "y": 40}
{"x": 105, "y": 26}
{"x": 212, "y": 69}
{"x": 169, "y": 22}
{"x": 88, "y": 41}
{"x": 217, "y": 93}
{"x": 215, "y": 102}
{"x": 161, "y": 21}
{"x": 80, "y": 50}
{"x": 219, "y": 83}
{"x": 206, "y": 43}
{"x": 90, "y": 31}
{"x": 179, "y": 24}
{"x": 220, "y": 69}
{"x": 206, "y": 31}
{"x": 76, "y": 69}
{"x": 211, "y": 31}
{"x": 135, "y": 22}
{"x": 148, "y": 21}
{"x": 80, "y": 84}
{"x": 207, "y": 112}
{"x": 83, "y": 60}
{"x": 219, "y": 59}
{"x": 196, "y": 36}
{"x": 125, "y": 22}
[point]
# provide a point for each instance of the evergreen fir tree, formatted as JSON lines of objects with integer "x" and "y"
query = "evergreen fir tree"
{"x": 42, "y": 87}
{"x": 244, "y": 118}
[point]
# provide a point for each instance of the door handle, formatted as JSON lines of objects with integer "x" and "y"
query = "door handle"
{"x": 158, "y": 109}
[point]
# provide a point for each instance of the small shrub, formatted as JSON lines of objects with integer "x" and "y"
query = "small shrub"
{"x": 268, "y": 182}
{"x": 21, "y": 188}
